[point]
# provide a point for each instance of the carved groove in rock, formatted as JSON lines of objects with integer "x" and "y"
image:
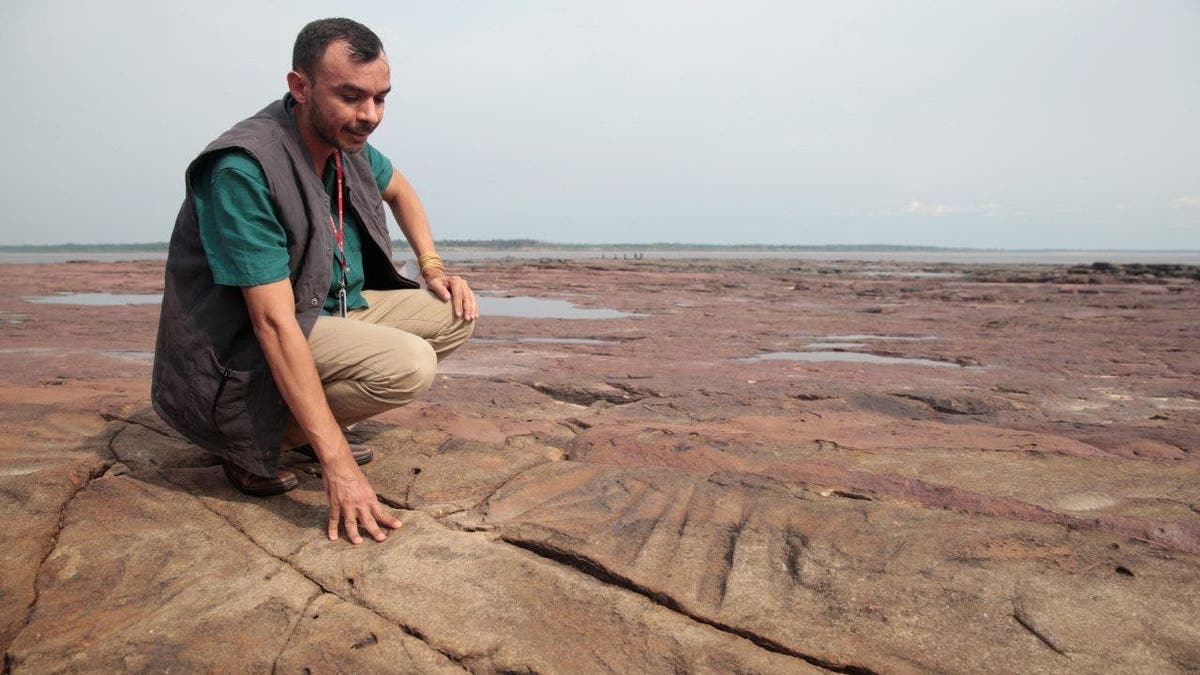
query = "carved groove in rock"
{"x": 791, "y": 573}
{"x": 597, "y": 571}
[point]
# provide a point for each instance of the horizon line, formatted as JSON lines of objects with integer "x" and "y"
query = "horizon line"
{"x": 534, "y": 244}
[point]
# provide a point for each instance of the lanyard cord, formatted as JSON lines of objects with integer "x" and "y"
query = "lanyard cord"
{"x": 339, "y": 232}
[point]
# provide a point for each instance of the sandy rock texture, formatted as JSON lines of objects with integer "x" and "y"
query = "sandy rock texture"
{"x": 766, "y": 466}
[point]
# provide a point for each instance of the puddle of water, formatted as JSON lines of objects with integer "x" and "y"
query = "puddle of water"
{"x": 551, "y": 340}
{"x": 27, "y": 350}
{"x": 851, "y": 357}
{"x": 130, "y": 355}
{"x": 542, "y": 308}
{"x": 875, "y": 336}
{"x": 1084, "y": 501}
{"x": 913, "y": 275}
{"x": 97, "y": 299}
{"x": 523, "y": 307}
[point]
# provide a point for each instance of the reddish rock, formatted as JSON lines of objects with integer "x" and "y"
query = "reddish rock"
{"x": 993, "y": 469}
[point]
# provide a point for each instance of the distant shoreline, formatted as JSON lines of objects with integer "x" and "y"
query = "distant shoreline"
{"x": 464, "y": 250}
{"x": 459, "y": 254}
{"x": 534, "y": 246}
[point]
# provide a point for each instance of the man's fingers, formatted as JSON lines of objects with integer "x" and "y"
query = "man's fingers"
{"x": 352, "y": 530}
{"x": 386, "y": 519}
{"x": 334, "y": 522}
{"x": 439, "y": 287}
{"x": 372, "y": 527}
{"x": 472, "y": 306}
{"x": 358, "y": 508}
{"x": 465, "y": 306}
{"x": 458, "y": 304}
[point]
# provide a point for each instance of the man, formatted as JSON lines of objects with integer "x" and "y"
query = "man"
{"x": 283, "y": 318}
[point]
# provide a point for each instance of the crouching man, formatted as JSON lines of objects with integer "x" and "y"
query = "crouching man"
{"x": 283, "y": 318}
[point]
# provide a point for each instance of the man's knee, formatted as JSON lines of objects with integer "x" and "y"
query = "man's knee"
{"x": 403, "y": 373}
{"x": 457, "y": 332}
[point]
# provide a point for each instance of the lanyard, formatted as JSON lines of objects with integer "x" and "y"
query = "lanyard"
{"x": 339, "y": 234}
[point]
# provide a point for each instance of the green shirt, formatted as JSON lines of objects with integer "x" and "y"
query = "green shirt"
{"x": 243, "y": 239}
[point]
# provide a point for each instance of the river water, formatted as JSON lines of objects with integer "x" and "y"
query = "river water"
{"x": 938, "y": 256}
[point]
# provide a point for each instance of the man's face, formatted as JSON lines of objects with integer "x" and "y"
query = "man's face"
{"x": 346, "y": 97}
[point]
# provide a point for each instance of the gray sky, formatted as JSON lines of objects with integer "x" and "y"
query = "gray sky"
{"x": 987, "y": 124}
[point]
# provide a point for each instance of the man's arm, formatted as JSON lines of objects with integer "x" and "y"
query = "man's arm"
{"x": 351, "y": 498}
{"x": 410, "y": 214}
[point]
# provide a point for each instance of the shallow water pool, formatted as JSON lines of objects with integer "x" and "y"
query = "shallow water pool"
{"x": 849, "y": 357}
{"x": 97, "y": 299}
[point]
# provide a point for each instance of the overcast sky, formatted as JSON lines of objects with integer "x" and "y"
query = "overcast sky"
{"x": 985, "y": 124}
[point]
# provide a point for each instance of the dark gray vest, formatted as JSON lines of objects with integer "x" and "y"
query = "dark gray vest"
{"x": 211, "y": 381}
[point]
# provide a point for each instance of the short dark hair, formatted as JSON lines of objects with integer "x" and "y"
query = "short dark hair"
{"x": 316, "y": 37}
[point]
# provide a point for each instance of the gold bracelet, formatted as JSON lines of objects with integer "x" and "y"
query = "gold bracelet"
{"x": 431, "y": 263}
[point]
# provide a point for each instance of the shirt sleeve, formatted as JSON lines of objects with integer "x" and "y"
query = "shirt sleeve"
{"x": 381, "y": 166}
{"x": 242, "y": 235}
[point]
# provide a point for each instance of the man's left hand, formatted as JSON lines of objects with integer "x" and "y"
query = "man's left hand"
{"x": 456, "y": 290}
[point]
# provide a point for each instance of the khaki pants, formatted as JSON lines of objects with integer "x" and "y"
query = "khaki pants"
{"x": 381, "y": 357}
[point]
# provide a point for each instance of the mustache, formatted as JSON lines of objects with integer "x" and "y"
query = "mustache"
{"x": 363, "y": 128}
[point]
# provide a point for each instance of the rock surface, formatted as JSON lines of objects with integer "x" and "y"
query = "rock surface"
{"x": 772, "y": 466}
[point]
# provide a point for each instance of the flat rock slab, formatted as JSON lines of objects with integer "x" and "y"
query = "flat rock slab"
{"x": 481, "y": 603}
{"x": 976, "y": 469}
{"x": 817, "y": 575}
{"x": 144, "y": 578}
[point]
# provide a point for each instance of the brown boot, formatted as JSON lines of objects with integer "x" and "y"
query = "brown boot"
{"x": 258, "y": 486}
{"x": 361, "y": 453}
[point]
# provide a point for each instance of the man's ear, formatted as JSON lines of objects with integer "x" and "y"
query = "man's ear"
{"x": 299, "y": 85}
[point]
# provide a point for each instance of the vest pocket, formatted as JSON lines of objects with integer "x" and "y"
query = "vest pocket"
{"x": 234, "y": 407}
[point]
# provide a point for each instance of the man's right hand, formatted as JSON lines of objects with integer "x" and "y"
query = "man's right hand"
{"x": 351, "y": 499}
{"x": 353, "y": 503}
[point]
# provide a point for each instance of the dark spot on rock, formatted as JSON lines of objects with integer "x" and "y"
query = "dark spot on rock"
{"x": 350, "y": 580}
{"x": 851, "y": 495}
{"x": 371, "y": 639}
{"x": 416, "y": 470}
{"x": 951, "y": 406}
{"x": 1121, "y": 569}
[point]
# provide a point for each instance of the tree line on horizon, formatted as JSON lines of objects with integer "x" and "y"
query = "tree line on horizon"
{"x": 520, "y": 244}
